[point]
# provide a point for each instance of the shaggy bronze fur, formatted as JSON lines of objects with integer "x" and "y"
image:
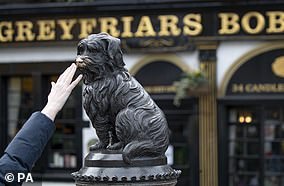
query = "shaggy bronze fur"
{"x": 123, "y": 114}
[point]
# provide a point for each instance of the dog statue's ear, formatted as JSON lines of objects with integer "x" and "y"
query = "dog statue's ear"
{"x": 114, "y": 51}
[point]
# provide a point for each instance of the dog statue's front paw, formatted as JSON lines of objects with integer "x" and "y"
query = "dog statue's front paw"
{"x": 97, "y": 146}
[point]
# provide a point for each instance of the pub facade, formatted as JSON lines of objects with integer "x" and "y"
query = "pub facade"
{"x": 229, "y": 136}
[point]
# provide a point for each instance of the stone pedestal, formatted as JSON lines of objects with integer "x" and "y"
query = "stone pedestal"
{"x": 108, "y": 168}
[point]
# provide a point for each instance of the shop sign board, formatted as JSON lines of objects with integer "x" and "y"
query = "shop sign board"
{"x": 168, "y": 29}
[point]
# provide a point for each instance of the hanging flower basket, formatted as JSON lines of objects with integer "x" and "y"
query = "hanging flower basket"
{"x": 191, "y": 84}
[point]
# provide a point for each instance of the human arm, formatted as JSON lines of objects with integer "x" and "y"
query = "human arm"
{"x": 28, "y": 144}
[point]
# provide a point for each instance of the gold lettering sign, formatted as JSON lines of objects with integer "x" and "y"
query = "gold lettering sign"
{"x": 258, "y": 88}
{"x": 160, "y": 89}
{"x": 229, "y": 23}
{"x": 260, "y": 22}
{"x": 46, "y": 30}
{"x": 109, "y": 25}
{"x": 66, "y": 26}
{"x": 189, "y": 25}
{"x": 192, "y": 25}
{"x": 145, "y": 28}
{"x": 127, "y": 26}
{"x": 6, "y": 34}
{"x": 169, "y": 26}
{"x": 236, "y": 88}
{"x": 24, "y": 31}
{"x": 86, "y": 27}
{"x": 232, "y": 23}
{"x": 276, "y": 22}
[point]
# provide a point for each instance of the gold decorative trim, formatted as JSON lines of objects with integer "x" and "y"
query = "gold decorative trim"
{"x": 157, "y": 43}
{"x": 207, "y": 46}
{"x": 171, "y": 58}
{"x": 243, "y": 59}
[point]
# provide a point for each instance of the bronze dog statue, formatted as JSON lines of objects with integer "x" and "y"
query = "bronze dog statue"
{"x": 123, "y": 114}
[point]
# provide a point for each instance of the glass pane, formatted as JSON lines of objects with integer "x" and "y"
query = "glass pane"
{"x": 232, "y": 165}
{"x": 240, "y": 131}
{"x": 253, "y": 148}
{"x": 272, "y": 181}
{"x": 273, "y": 145}
{"x": 20, "y": 103}
{"x": 244, "y": 147}
{"x": 273, "y": 130}
{"x": 244, "y": 180}
{"x": 236, "y": 148}
{"x": 281, "y": 130}
{"x": 252, "y": 164}
{"x": 252, "y": 131}
{"x": 242, "y": 116}
{"x": 274, "y": 148}
{"x": 274, "y": 164}
{"x": 272, "y": 113}
{"x": 63, "y": 147}
{"x": 181, "y": 155}
{"x": 236, "y": 132}
{"x": 233, "y": 116}
{"x": 243, "y": 164}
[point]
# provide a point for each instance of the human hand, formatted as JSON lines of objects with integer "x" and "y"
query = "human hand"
{"x": 60, "y": 91}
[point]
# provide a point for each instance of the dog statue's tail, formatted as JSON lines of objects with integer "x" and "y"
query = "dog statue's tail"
{"x": 137, "y": 149}
{"x": 144, "y": 132}
{"x": 154, "y": 146}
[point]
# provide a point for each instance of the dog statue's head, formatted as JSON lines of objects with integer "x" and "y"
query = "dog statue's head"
{"x": 99, "y": 55}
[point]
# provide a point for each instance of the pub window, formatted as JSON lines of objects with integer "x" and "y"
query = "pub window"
{"x": 274, "y": 145}
{"x": 244, "y": 146}
{"x": 25, "y": 92}
{"x": 255, "y": 145}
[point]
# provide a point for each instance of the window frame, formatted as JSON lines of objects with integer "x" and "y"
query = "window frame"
{"x": 223, "y": 129}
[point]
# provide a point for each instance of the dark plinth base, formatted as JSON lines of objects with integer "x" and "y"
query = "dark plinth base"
{"x": 108, "y": 168}
{"x": 148, "y": 183}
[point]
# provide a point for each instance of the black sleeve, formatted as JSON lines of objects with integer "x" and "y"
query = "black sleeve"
{"x": 27, "y": 145}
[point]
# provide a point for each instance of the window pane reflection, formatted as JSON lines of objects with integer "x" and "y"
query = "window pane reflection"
{"x": 273, "y": 181}
{"x": 244, "y": 147}
{"x": 244, "y": 180}
{"x": 256, "y": 146}
{"x": 20, "y": 103}
{"x": 274, "y": 145}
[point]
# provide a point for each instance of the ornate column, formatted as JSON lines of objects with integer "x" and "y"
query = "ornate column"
{"x": 208, "y": 142}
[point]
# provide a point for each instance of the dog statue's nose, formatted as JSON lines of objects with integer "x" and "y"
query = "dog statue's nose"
{"x": 79, "y": 59}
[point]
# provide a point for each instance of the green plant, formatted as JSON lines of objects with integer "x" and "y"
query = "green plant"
{"x": 189, "y": 83}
